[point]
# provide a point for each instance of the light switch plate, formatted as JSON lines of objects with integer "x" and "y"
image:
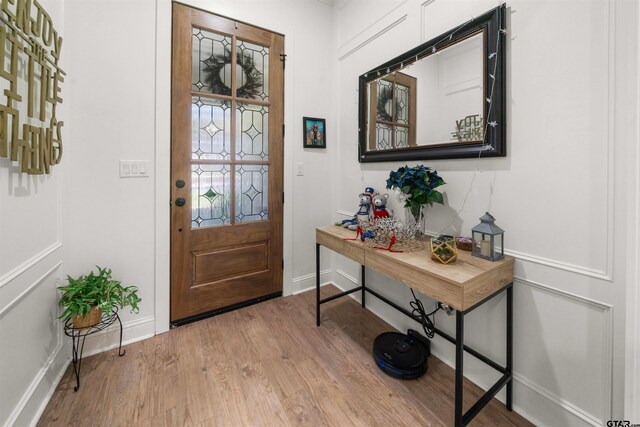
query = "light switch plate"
{"x": 134, "y": 168}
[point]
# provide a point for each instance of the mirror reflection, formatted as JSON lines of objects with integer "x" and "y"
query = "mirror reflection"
{"x": 435, "y": 101}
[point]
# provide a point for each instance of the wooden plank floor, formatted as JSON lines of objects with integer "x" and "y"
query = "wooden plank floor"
{"x": 267, "y": 364}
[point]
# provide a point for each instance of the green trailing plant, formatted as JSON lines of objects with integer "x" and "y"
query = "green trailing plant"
{"x": 96, "y": 289}
{"x": 418, "y": 184}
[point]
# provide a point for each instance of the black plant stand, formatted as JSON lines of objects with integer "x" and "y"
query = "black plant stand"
{"x": 79, "y": 335}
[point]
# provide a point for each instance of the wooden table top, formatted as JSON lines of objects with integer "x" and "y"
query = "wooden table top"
{"x": 460, "y": 284}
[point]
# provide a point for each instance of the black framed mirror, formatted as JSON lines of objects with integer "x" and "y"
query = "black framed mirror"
{"x": 444, "y": 99}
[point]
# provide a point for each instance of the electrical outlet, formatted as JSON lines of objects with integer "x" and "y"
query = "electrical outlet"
{"x": 446, "y": 308}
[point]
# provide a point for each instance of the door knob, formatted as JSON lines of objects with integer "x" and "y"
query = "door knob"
{"x": 180, "y": 201}
{"x": 179, "y": 183}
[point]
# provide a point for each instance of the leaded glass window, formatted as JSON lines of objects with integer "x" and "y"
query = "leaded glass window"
{"x": 210, "y": 195}
{"x": 229, "y": 130}
{"x": 252, "y": 185}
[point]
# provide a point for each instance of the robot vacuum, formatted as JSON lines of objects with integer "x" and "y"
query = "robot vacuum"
{"x": 402, "y": 356}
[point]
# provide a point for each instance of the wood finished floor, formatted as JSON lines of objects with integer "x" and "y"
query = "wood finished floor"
{"x": 267, "y": 364}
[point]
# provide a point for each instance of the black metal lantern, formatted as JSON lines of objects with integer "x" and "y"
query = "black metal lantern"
{"x": 488, "y": 239}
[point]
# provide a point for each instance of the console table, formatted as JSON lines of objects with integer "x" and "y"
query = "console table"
{"x": 463, "y": 286}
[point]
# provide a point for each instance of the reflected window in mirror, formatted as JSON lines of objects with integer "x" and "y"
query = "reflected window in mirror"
{"x": 392, "y": 112}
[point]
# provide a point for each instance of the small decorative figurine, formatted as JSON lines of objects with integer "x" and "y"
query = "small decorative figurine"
{"x": 379, "y": 203}
{"x": 364, "y": 210}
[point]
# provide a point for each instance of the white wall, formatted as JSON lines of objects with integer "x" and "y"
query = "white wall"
{"x": 571, "y": 170}
{"x": 109, "y": 221}
{"x": 118, "y": 98}
{"x": 562, "y": 192}
{"x": 32, "y": 350}
{"x": 119, "y": 86}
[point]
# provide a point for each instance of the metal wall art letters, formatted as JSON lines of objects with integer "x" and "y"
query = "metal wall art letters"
{"x": 29, "y": 68}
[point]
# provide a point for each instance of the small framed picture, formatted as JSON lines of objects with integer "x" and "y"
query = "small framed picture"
{"x": 314, "y": 132}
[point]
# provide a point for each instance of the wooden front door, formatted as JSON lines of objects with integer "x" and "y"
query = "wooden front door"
{"x": 226, "y": 163}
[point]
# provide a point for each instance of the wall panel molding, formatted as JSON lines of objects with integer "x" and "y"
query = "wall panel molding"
{"x": 17, "y": 271}
{"x": 371, "y": 38}
{"x": 611, "y": 137}
{"x": 562, "y": 403}
{"x": 607, "y": 362}
{"x": 54, "y": 366}
{"x": 602, "y": 306}
{"x": 423, "y": 25}
{"x": 361, "y": 35}
{"x": 27, "y": 291}
{"x": 39, "y": 392}
{"x": 555, "y": 264}
{"x": 572, "y": 268}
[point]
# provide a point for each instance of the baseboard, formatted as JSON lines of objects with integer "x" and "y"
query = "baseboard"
{"x": 108, "y": 339}
{"x": 37, "y": 395}
{"x": 307, "y": 282}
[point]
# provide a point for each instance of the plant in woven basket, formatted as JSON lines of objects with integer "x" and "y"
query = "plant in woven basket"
{"x": 94, "y": 293}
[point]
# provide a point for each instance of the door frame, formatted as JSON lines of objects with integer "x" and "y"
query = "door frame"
{"x": 162, "y": 159}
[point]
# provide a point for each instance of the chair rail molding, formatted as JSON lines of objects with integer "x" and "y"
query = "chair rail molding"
{"x": 17, "y": 271}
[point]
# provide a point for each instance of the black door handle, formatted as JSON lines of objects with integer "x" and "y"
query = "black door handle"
{"x": 180, "y": 201}
{"x": 180, "y": 183}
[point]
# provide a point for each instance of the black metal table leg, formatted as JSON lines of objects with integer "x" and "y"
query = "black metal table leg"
{"x": 458, "y": 412}
{"x": 510, "y": 346}
{"x": 317, "y": 284}
{"x": 363, "y": 287}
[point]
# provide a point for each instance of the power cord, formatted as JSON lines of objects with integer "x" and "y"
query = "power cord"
{"x": 418, "y": 311}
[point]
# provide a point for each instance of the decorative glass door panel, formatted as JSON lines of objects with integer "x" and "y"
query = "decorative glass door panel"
{"x": 253, "y": 71}
{"x": 210, "y": 195}
{"x": 229, "y": 150}
{"x": 211, "y": 59}
{"x": 252, "y": 132}
{"x": 252, "y": 193}
{"x": 210, "y": 129}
